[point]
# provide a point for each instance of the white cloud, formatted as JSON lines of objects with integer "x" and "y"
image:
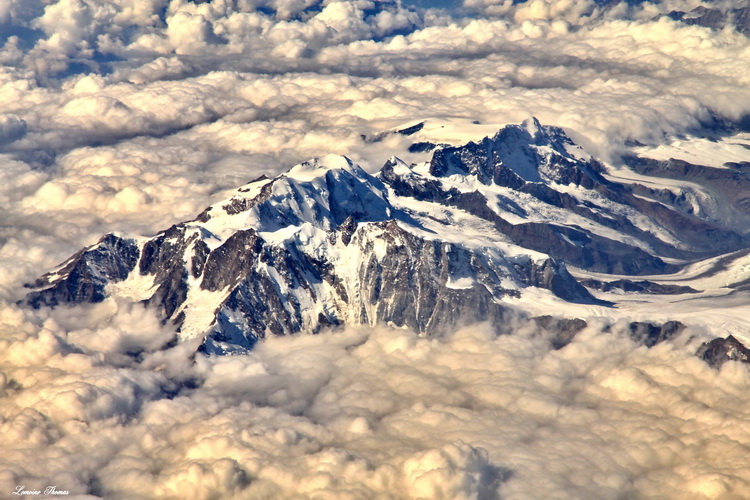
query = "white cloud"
{"x": 363, "y": 413}
{"x": 550, "y": 10}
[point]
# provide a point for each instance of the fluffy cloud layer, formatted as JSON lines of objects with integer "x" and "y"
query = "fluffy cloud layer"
{"x": 92, "y": 405}
{"x": 174, "y": 123}
{"x": 128, "y": 116}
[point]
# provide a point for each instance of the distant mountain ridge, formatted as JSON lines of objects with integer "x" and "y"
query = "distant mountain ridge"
{"x": 461, "y": 238}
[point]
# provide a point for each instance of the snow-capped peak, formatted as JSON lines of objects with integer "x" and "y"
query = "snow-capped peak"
{"x": 318, "y": 167}
{"x": 427, "y": 246}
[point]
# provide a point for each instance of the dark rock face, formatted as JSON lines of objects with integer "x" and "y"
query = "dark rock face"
{"x": 258, "y": 307}
{"x": 236, "y": 205}
{"x": 198, "y": 260}
{"x": 642, "y": 286}
{"x": 422, "y": 147}
{"x": 83, "y": 277}
{"x": 563, "y": 330}
{"x": 227, "y": 264}
{"x": 163, "y": 252}
{"x": 719, "y": 351}
{"x": 409, "y": 285}
{"x": 555, "y": 277}
{"x": 716, "y": 18}
{"x": 649, "y": 334}
{"x": 163, "y": 258}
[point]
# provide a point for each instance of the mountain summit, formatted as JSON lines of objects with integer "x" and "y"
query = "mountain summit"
{"x": 460, "y": 238}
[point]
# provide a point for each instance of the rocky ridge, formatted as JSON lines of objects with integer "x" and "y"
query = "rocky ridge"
{"x": 461, "y": 238}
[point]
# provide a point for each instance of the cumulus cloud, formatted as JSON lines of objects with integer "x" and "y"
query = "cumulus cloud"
{"x": 565, "y": 10}
{"x": 92, "y": 404}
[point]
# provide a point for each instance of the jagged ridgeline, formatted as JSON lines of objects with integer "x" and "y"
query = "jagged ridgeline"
{"x": 460, "y": 238}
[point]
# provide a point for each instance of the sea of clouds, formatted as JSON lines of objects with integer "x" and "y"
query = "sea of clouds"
{"x": 131, "y": 115}
{"x": 94, "y": 406}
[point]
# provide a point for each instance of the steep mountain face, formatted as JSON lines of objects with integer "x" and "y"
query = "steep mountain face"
{"x": 460, "y": 238}
{"x": 714, "y": 15}
{"x": 720, "y": 350}
{"x": 729, "y": 187}
{"x": 738, "y": 16}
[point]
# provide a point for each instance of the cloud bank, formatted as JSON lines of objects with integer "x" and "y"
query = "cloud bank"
{"x": 92, "y": 405}
{"x": 128, "y": 116}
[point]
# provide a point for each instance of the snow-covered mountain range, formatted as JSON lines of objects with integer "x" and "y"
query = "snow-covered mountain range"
{"x": 467, "y": 236}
